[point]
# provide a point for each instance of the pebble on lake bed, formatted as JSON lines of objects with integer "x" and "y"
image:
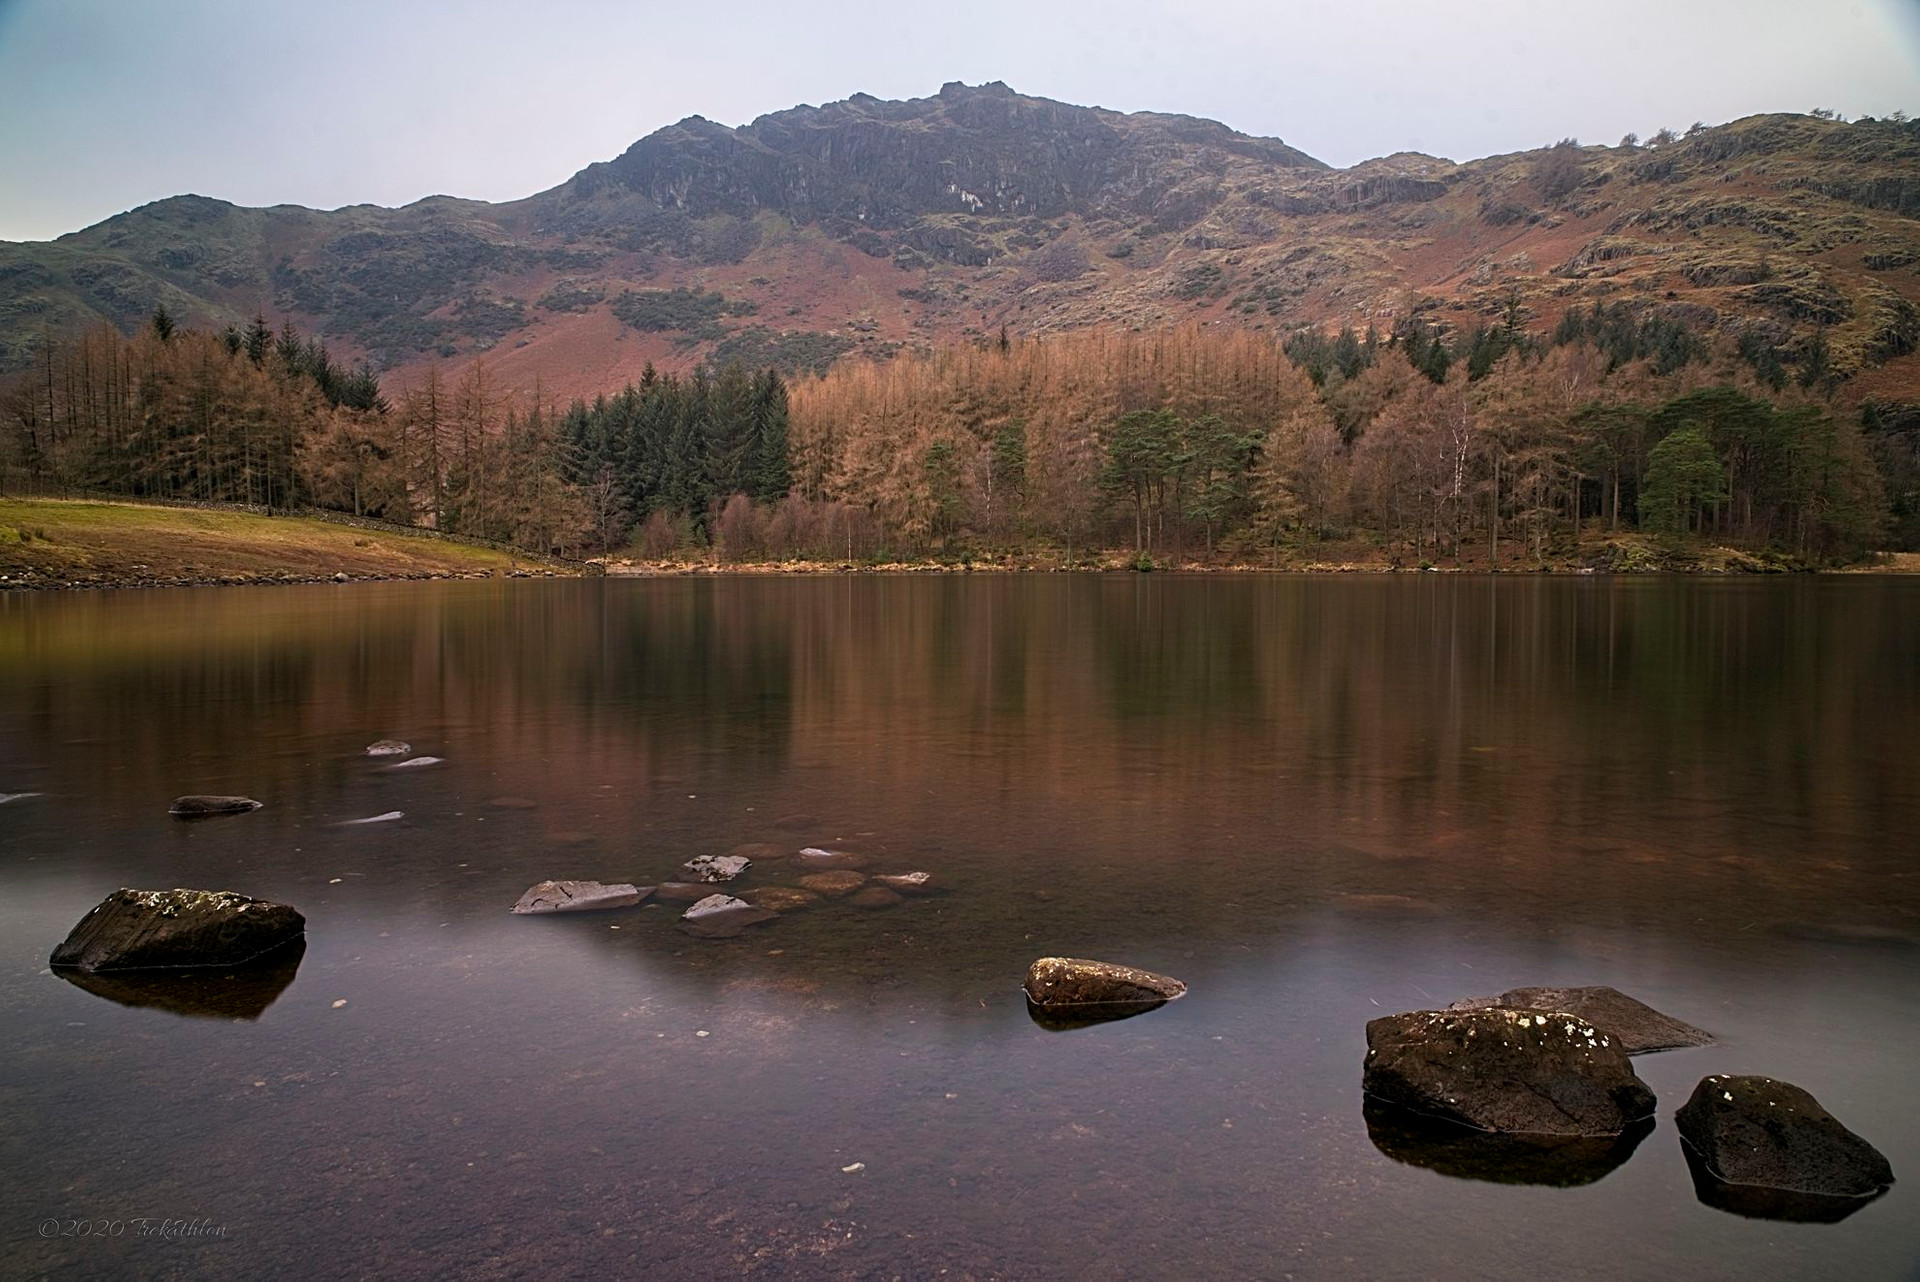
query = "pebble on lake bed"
{"x": 202, "y": 806}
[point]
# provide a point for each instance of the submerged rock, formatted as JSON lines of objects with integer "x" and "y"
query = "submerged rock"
{"x": 1635, "y": 1026}
{"x": 876, "y": 897}
{"x": 1541, "y": 1073}
{"x": 1466, "y": 1153}
{"x": 910, "y": 883}
{"x": 782, "y": 899}
{"x": 579, "y": 897}
{"x": 681, "y": 892}
{"x": 1077, "y": 990}
{"x": 814, "y": 859}
{"x": 1761, "y": 1134}
{"x": 145, "y": 929}
{"x": 712, "y": 868}
{"x": 201, "y": 992}
{"x": 834, "y": 884}
{"x": 723, "y": 916}
{"x": 204, "y": 806}
{"x": 761, "y": 850}
{"x": 389, "y": 748}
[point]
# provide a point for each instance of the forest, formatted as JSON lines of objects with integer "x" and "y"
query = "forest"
{"x": 1496, "y": 448}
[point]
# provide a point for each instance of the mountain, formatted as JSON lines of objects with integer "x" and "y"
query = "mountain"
{"x": 864, "y": 225}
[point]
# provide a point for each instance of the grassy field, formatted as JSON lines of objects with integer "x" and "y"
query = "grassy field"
{"x": 51, "y": 542}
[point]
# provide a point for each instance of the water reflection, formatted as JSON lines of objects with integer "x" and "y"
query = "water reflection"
{"x": 213, "y": 992}
{"x": 1753, "y": 1202}
{"x": 1466, "y": 1154}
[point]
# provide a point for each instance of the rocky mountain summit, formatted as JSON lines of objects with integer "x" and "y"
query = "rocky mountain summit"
{"x": 864, "y": 225}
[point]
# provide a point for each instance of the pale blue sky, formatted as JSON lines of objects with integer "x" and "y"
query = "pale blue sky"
{"x": 104, "y": 106}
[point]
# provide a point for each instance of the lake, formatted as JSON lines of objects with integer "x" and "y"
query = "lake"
{"x": 1315, "y": 799}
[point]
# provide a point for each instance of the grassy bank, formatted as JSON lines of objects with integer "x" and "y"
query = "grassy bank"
{"x": 73, "y": 543}
{"x": 1606, "y": 553}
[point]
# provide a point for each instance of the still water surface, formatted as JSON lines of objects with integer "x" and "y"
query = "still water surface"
{"x": 1316, "y": 800}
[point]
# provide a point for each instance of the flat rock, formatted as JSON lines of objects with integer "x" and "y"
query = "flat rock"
{"x": 5, "y": 797}
{"x": 579, "y": 897}
{"x": 712, "y": 868}
{"x": 814, "y": 859}
{"x": 910, "y": 883}
{"x": 389, "y": 748}
{"x": 681, "y": 892}
{"x": 834, "y": 884}
{"x": 1076, "y": 988}
{"x": 723, "y": 916}
{"x": 151, "y": 929}
{"x": 1633, "y": 1025}
{"x": 1522, "y": 1071}
{"x": 391, "y": 816}
{"x": 415, "y": 762}
{"x": 876, "y": 897}
{"x": 1763, "y": 1133}
{"x": 782, "y": 899}
{"x": 201, "y": 806}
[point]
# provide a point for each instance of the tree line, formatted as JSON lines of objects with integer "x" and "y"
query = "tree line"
{"x": 1496, "y": 445}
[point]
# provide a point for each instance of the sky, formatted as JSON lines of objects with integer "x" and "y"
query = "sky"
{"x": 109, "y": 104}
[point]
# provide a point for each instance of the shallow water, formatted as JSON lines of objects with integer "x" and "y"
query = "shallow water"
{"x": 1316, "y": 800}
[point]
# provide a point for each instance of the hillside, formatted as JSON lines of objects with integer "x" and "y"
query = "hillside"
{"x": 865, "y": 225}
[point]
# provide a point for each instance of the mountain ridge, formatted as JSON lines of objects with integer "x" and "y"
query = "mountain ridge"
{"x": 867, "y": 224}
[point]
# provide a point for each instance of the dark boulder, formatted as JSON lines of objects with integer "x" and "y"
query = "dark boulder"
{"x": 149, "y": 929}
{"x": 1532, "y": 1072}
{"x": 204, "y": 807}
{"x": 1751, "y": 1137}
{"x": 1635, "y": 1026}
{"x": 579, "y": 897}
{"x": 1074, "y": 990}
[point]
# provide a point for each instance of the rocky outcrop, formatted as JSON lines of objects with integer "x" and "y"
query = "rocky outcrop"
{"x": 147, "y": 929}
{"x": 1758, "y": 1133}
{"x": 1525, "y": 1071}
{"x": 712, "y": 868}
{"x": 203, "y": 806}
{"x": 723, "y": 916}
{"x": 1632, "y": 1024}
{"x": 1074, "y": 988}
{"x": 579, "y": 897}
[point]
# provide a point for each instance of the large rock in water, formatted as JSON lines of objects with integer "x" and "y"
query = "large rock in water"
{"x": 723, "y": 917}
{"x": 201, "y": 806}
{"x": 1771, "y": 1135}
{"x": 149, "y": 929}
{"x": 1525, "y": 1071}
{"x": 1075, "y": 989}
{"x": 712, "y": 868}
{"x": 1635, "y": 1026}
{"x": 579, "y": 897}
